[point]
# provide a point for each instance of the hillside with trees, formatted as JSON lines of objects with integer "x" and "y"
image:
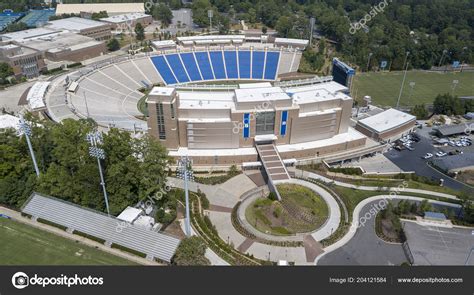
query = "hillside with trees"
{"x": 425, "y": 28}
{"x": 134, "y": 169}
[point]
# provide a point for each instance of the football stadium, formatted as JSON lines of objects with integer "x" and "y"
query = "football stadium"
{"x": 223, "y": 100}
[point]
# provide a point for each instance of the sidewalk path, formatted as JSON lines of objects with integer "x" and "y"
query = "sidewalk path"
{"x": 307, "y": 174}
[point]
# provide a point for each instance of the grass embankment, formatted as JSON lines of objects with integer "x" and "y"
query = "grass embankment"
{"x": 301, "y": 210}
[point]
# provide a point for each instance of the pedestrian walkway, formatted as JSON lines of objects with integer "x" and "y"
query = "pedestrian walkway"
{"x": 306, "y": 174}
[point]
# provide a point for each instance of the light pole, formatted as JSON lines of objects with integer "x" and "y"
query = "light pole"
{"x": 442, "y": 57}
{"x": 368, "y": 61}
{"x": 26, "y": 129}
{"x": 95, "y": 139}
{"x": 404, "y": 76}
{"x": 455, "y": 83}
{"x": 311, "y": 24}
{"x": 412, "y": 86}
{"x": 210, "y": 14}
{"x": 184, "y": 173}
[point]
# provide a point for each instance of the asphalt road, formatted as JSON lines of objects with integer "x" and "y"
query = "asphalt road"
{"x": 365, "y": 248}
{"x": 412, "y": 161}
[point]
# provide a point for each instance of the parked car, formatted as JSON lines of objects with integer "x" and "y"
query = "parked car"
{"x": 428, "y": 156}
{"x": 441, "y": 154}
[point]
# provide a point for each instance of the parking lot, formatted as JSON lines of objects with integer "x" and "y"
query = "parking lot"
{"x": 431, "y": 245}
{"x": 412, "y": 160}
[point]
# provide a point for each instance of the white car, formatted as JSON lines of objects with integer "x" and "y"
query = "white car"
{"x": 428, "y": 156}
{"x": 441, "y": 154}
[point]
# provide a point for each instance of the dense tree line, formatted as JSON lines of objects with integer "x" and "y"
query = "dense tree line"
{"x": 134, "y": 168}
{"x": 447, "y": 104}
{"x": 425, "y": 28}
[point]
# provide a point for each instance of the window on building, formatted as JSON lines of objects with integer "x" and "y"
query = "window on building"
{"x": 265, "y": 123}
{"x": 160, "y": 118}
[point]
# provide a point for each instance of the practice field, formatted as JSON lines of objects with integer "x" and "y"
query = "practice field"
{"x": 384, "y": 87}
{"x": 22, "y": 244}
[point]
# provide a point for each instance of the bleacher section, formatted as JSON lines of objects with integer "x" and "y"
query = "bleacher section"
{"x": 217, "y": 65}
{"x": 37, "y": 18}
{"x": 7, "y": 18}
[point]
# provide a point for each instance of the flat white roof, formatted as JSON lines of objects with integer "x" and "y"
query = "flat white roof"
{"x": 125, "y": 17}
{"x": 292, "y": 41}
{"x": 162, "y": 91}
{"x": 111, "y": 8}
{"x": 387, "y": 120}
{"x": 255, "y": 85}
{"x": 74, "y": 24}
{"x": 206, "y": 99}
{"x": 260, "y": 94}
{"x": 9, "y": 121}
{"x": 29, "y": 34}
{"x": 211, "y": 38}
{"x": 350, "y": 135}
{"x": 331, "y": 87}
{"x": 163, "y": 43}
{"x": 129, "y": 214}
{"x": 36, "y": 94}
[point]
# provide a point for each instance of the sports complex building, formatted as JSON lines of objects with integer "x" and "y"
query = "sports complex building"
{"x": 221, "y": 100}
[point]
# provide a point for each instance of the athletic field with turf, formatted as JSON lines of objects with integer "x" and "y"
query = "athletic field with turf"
{"x": 21, "y": 244}
{"x": 384, "y": 87}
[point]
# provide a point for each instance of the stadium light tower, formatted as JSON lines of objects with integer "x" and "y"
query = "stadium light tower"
{"x": 210, "y": 14}
{"x": 95, "y": 139}
{"x": 311, "y": 29}
{"x": 26, "y": 129}
{"x": 404, "y": 76}
{"x": 187, "y": 175}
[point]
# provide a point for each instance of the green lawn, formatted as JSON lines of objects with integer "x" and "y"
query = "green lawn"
{"x": 384, "y": 87}
{"x": 22, "y": 244}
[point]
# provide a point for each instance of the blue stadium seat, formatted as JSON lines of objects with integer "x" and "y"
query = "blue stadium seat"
{"x": 244, "y": 64}
{"x": 204, "y": 65}
{"x": 231, "y": 64}
{"x": 218, "y": 64}
{"x": 191, "y": 67}
{"x": 258, "y": 60}
{"x": 271, "y": 65}
{"x": 177, "y": 67}
{"x": 160, "y": 64}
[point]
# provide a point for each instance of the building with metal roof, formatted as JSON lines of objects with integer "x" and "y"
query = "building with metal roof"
{"x": 97, "y": 224}
{"x": 451, "y": 130}
{"x": 388, "y": 125}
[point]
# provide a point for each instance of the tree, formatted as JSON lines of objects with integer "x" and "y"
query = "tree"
{"x": 113, "y": 44}
{"x": 191, "y": 251}
{"x": 447, "y": 104}
{"x": 264, "y": 30}
{"x": 99, "y": 15}
{"x": 139, "y": 32}
{"x": 420, "y": 112}
{"x": 162, "y": 13}
{"x": 14, "y": 27}
{"x": 5, "y": 71}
